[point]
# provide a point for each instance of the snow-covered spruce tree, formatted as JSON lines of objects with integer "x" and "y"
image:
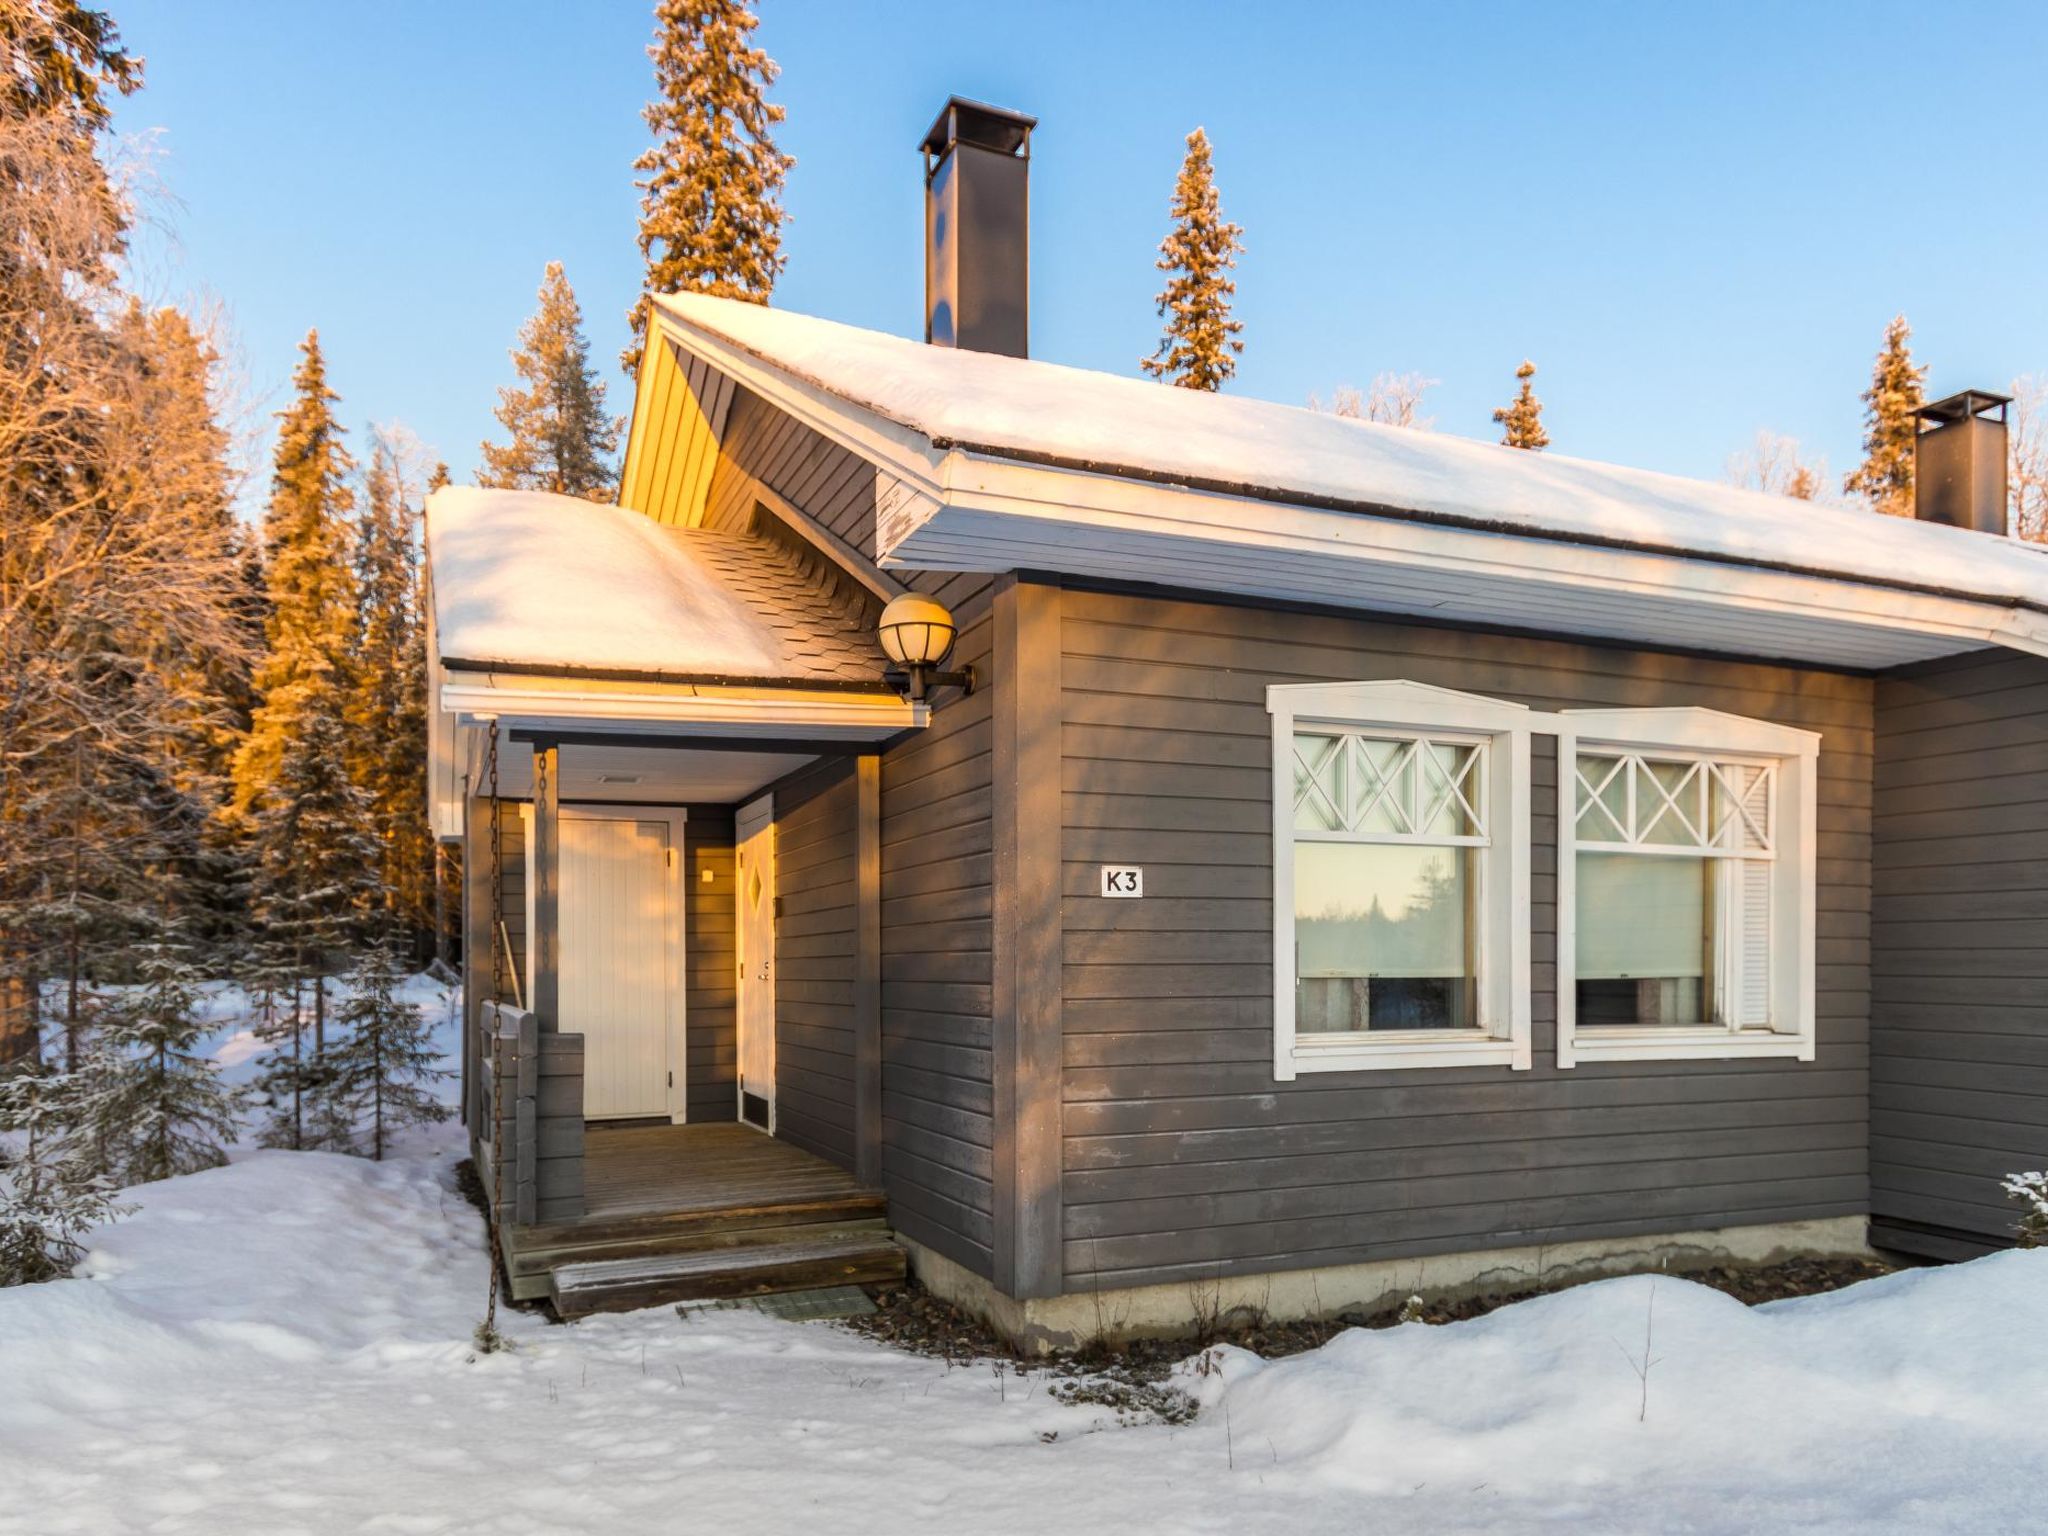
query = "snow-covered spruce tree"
{"x": 1885, "y": 477}
{"x": 1201, "y": 347}
{"x": 315, "y": 881}
{"x": 386, "y": 713}
{"x": 386, "y": 1069}
{"x": 158, "y": 1107}
{"x": 306, "y": 573}
{"x": 711, "y": 201}
{"x": 561, "y": 439}
{"x": 1521, "y": 420}
{"x": 50, "y": 1193}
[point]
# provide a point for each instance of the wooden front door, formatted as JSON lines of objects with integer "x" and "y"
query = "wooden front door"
{"x": 619, "y": 980}
{"x": 755, "y": 832}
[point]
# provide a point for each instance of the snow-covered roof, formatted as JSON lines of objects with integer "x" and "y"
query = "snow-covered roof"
{"x": 1045, "y": 413}
{"x": 528, "y": 579}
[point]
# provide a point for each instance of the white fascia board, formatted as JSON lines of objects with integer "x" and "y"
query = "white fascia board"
{"x": 762, "y": 713}
{"x": 991, "y": 502}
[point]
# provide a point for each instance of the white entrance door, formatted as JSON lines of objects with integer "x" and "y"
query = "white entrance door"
{"x": 755, "y": 834}
{"x": 619, "y": 981}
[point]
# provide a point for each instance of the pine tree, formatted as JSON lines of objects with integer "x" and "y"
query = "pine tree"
{"x": 306, "y": 572}
{"x": 711, "y": 204}
{"x": 1201, "y": 347}
{"x": 561, "y": 438}
{"x": 385, "y": 1072}
{"x": 386, "y": 714}
{"x": 159, "y": 1107}
{"x": 50, "y": 1194}
{"x": 314, "y": 882}
{"x": 1522, "y": 421}
{"x": 1890, "y": 423}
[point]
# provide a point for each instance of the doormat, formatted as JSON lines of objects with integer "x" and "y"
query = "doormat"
{"x": 820, "y": 1305}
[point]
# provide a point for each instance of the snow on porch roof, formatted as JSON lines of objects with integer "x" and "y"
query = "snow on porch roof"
{"x": 525, "y": 579}
{"x": 1044, "y": 412}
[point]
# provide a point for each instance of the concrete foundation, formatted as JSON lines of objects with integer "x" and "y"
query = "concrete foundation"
{"x": 1111, "y": 1314}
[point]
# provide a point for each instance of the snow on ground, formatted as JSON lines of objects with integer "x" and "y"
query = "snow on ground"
{"x": 282, "y": 1346}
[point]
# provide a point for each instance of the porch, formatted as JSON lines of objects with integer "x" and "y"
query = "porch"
{"x": 698, "y": 1212}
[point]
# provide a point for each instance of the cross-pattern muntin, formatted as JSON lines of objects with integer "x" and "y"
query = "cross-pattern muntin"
{"x": 1651, "y": 809}
{"x": 1413, "y": 785}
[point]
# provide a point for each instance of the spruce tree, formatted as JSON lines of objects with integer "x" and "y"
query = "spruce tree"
{"x": 1521, "y": 421}
{"x": 561, "y": 440}
{"x": 306, "y": 573}
{"x": 50, "y": 1193}
{"x": 385, "y": 1070}
{"x": 386, "y": 713}
{"x": 711, "y": 204}
{"x": 1201, "y": 346}
{"x": 1885, "y": 477}
{"x": 159, "y": 1106}
{"x": 314, "y": 883}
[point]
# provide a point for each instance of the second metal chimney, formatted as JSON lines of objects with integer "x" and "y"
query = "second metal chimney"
{"x": 977, "y": 227}
{"x": 1959, "y": 462}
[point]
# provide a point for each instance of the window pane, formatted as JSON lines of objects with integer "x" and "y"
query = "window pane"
{"x": 1452, "y": 788}
{"x": 1603, "y": 799}
{"x": 1321, "y": 789}
{"x": 1383, "y": 937}
{"x": 1668, "y": 803}
{"x": 1645, "y": 940}
{"x": 1385, "y": 784}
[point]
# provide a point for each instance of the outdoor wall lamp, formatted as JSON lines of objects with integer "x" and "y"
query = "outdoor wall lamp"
{"x": 917, "y": 634}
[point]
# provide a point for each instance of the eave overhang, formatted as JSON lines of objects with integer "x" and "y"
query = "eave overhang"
{"x": 945, "y": 505}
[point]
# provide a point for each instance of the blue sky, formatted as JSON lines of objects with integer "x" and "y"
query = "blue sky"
{"x": 1696, "y": 219}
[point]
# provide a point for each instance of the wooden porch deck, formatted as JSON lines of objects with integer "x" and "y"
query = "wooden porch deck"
{"x": 689, "y": 1212}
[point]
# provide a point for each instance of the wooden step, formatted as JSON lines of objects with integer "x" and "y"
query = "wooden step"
{"x": 531, "y": 1267}
{"x": 619, "y": 1285}
{"x": 856, "y": 1205}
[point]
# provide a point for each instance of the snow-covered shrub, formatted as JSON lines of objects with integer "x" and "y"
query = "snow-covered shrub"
{"x": 2031, "y": 1190}
{"x": 50, "y": 1193}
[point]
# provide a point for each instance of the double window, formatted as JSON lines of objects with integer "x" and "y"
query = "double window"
{"x": 1402, "y": 859}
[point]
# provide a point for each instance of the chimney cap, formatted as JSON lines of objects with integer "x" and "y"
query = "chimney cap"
{"x": 1962, "y": 406}
{"x": 962, "y": 121}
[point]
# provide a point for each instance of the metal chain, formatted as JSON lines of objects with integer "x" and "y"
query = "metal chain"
{"x": 488, "y": 1334}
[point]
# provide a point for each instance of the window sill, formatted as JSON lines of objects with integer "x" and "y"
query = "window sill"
{"x": 1398, "y": 1049}
{"x": 1653, "y": 1043}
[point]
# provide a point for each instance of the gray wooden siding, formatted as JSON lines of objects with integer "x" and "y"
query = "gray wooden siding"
{"x": 1185, "y": 1158}
{"x": 831, "y": 485}
{"x": 710, "y": 952}
{"x": 937, "y": 974}
{"x": 1959, "y": 1005}
{"x": 816, "y": 828}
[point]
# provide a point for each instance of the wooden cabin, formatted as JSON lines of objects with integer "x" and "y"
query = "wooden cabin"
{"x": 1083, "y": 839}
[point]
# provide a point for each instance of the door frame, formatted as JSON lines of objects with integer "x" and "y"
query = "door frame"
{"x": 675, "y": 817}
{"x": 760, "y": 811}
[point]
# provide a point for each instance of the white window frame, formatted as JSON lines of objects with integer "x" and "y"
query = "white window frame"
{"x": 1698, "y": 733}
{"x": 1502, "y": 946}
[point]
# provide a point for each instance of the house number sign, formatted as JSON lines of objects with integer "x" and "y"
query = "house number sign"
{"x": 1123, "y": 880}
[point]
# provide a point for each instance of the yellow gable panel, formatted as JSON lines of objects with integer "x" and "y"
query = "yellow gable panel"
{"x": 679, "y": 412}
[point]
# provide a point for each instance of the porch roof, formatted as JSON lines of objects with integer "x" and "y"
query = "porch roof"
{"x": 528, "y": 582}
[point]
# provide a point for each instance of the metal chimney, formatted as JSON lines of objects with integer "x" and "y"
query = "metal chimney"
{"x": 1959, "y": 462}
{"x": 977, "y": 228}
